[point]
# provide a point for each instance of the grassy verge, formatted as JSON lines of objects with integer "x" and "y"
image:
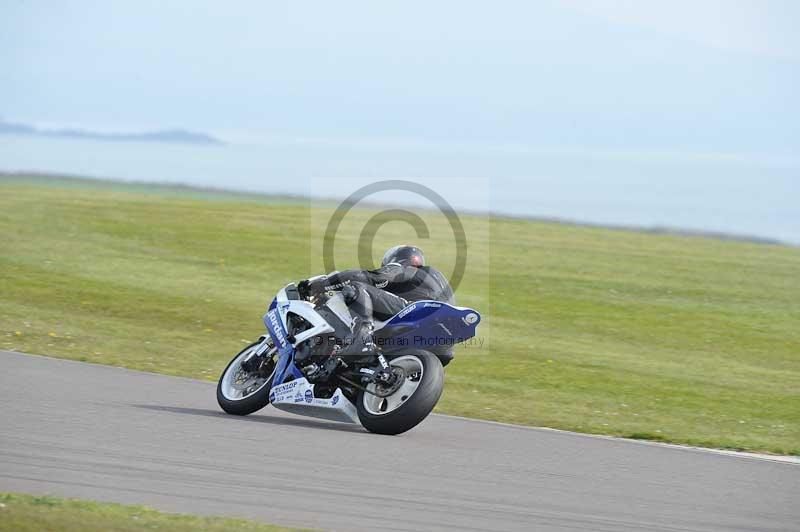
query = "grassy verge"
{"x": 671, "y": 338}
{"x": 27, "y": 513}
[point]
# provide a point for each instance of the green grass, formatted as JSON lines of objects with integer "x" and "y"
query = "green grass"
{"x": 27, "y": 513}
{"x": 678, "y": 339}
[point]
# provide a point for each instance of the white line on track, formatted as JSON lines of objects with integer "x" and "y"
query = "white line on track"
{"x": 786, "y": 459}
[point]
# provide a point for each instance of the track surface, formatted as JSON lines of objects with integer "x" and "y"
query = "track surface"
{"x": 87, "y": 431}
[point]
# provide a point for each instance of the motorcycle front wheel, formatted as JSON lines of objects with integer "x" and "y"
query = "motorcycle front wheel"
{"x": 403, "y": 405}
{"x": 240, "y": 392}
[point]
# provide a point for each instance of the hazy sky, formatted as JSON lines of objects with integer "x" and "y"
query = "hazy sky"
{"x": 693, "y": 78}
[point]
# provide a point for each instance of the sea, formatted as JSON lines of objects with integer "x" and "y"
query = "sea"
{"x": 750, "y": 196}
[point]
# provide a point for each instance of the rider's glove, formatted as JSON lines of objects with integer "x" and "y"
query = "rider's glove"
{"x": 302, "y": 288}
{"x": 309, "y": 288}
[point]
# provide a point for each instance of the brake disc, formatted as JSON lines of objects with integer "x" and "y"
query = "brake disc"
{"x": 243, "y": 380}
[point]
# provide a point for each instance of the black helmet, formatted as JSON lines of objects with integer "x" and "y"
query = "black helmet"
{"x": 405, "y": 255}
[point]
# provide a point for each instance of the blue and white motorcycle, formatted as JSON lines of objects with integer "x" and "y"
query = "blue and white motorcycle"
{"x": 297, "y": 367}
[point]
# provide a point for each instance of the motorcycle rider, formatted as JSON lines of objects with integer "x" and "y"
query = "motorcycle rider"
{"x": 381, "y": 293}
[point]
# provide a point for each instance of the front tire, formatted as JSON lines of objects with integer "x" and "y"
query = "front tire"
{"x": 239, "y": 399}
{"x": 411, "y": 403}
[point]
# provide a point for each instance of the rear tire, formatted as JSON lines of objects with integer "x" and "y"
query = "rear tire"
{"x": 413, "y": 410}
{"x": 246, "y": 405}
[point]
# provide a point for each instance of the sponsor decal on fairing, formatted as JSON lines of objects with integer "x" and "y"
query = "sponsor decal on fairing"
{"x": 407, "y": 310}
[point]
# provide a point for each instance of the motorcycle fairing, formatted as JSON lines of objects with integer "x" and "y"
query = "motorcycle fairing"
{"x": 426, "y": 323}
{"x": 297, "y": 397}
{"x": 285, "y": 366}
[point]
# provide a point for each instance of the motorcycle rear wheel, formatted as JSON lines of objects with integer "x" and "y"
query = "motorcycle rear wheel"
{"x": 413, "y": 399}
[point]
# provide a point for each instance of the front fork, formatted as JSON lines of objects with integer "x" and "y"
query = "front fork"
{"x": 262, "y": 347}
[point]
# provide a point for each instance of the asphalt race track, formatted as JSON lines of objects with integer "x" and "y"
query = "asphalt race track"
{"x": 95, "y": 432}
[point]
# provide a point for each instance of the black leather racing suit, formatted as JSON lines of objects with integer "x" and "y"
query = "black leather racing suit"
{"x": 391, "y": 288}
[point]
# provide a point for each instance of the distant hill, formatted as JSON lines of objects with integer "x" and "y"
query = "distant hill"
{"x": 166, "y": 135}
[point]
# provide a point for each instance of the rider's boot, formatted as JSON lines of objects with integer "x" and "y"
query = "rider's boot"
{"x": 361, "y": 344}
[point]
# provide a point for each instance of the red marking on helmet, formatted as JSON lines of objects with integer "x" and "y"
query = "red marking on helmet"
{"x": 416, "y": 260}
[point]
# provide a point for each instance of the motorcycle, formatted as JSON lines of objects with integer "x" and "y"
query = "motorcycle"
{"x": 300, "y": 366}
